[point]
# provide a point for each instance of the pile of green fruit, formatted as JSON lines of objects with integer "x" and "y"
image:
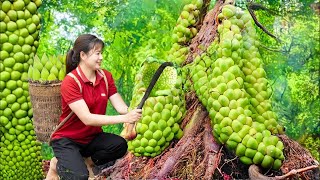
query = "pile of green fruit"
{"x": 161, "y": 113}
{"x": 19, "y": 33}
{"x": 184, "y": 31}
{"x": 47, "y": 69}
{"x": 231, "y": 83}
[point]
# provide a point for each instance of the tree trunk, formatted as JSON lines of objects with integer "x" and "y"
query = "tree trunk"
{"x": 197, "y": 155}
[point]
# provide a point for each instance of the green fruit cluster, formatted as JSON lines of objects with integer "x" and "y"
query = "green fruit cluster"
{"x": 184, "y": 31}
{"x": 224, "y": 89}
{"x": 47, "y": 69}
{"x": 19, "y": 33}
{"x": 161, "y": 113}
{"x": 256, "y": 83}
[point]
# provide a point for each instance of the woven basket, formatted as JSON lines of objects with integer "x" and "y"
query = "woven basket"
{"x": 46, "y": 104}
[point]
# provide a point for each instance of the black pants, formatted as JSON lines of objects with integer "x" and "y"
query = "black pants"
{"x": 105, "y": 147}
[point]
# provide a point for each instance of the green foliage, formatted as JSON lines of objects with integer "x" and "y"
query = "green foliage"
{"x": 303, "y": 90}
{"x": 312, "y": 143}
{"x": 292, "y": 64}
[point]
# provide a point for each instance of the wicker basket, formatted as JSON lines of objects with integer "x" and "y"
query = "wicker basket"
{"x": 46, "y": 104}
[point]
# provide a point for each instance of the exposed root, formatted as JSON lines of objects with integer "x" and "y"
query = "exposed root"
{"x": 298, "y": 157}
{"x": 254, "y": 173}
{"x": 194, "y": 156}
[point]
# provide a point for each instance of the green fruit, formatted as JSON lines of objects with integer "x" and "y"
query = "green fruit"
{"x": 166, "y": 132}
{"x": 226, "y": 122}
{"x": 142, "y": 128}
{"x": 224, "y": 137}
{"x": 54, "y": 71}
{"x": 227, "y": 12}
{"x": 32, "y": 8}
{"x": 250, "y": 152}
{"x": 62, "y": 74}
{"x": 36, "y": 74}
{"x": 44, "y": 74}
{"x": 236, "y": 126}
{"x": 223, "y": 100}
{"x": 162, "y": 124}
{"x": 235, "y": 137}
{"x": 266, "y": 133}
{"x": 259, "y": 137}
{"x": 267, "y": 161}
{"x": 241, "y": 149}
{"x": 231, "y": 144}
{"x": 271, "y": 150}
{"x": 156, "y": 117}
{"x": 157, "y": 135}
{"x": 143, "y": 142}
{"x": 153, "y": 126}
{"x": 258, "y": 158}
{"x": 147, "y": 112}
{"x": 148, "y": 134}
{"x": 245, "y": 160}
{"x": 149, "y": 149}
{"x": 277, "y": 164}
{"x": 51, "y": 77}
{"x": 179, "y": 134}
{"x": 162, "y": 141}
{"x": 18, "y": 5}
{"x": 280, "y": 145}
{"x": 165, "y": 114}
{"x": 175, "y": 128}
{"x": 227, "y": 130}
{"x": 170, "y": 137}
{"x": 224, "y": 111}
{"x": 152, "y": 143}
{"x": 262, "y": 148}
{"x": 158, "y": 107}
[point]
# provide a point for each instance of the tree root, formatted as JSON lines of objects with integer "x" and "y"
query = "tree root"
{"x": 254, "y": 173}
{"x": 195, "y": 156}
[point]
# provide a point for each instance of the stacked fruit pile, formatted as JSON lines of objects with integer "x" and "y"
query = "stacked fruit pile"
{"x": 161, "y": 113}
{"x": 19, "y": 31}
{"x": 184, "y": 31}
{"x": 230, "y": 81}
{"x": 47, "y": 69}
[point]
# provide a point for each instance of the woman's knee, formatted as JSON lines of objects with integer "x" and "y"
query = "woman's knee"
{"x": 123, "y": 146}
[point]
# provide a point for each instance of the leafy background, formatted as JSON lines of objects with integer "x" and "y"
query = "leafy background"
{"x": 135, "y": 29}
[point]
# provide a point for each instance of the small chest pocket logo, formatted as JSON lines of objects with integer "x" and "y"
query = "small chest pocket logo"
{"x": 103, "y": 94}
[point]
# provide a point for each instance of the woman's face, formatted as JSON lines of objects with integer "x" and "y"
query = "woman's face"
{"x": 93, "y": 58}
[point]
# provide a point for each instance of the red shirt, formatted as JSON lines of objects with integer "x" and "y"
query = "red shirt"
{"x": 96, "y": 98}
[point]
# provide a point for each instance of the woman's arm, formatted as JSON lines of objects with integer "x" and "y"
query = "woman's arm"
{"x": 81, "y": 109}
{"x": 118, "y": 103}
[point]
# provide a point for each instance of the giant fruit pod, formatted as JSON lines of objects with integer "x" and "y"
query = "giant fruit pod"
{"x": 19, "y": 37}
{"x": 230, "y": 82}
{"x": 184, "y": 31}
{"x": 161, "y": 113}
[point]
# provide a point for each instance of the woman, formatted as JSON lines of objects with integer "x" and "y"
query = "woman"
{"x": 79, "y": 144}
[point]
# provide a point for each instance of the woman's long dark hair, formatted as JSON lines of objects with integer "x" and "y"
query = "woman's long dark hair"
{"x": 85, "y": 43}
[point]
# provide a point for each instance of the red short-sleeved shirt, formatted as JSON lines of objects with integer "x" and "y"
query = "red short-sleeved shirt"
{"x": 96, "y": 98}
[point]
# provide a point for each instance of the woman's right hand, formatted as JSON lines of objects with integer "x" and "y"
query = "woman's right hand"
{"x": 133, "y": 116}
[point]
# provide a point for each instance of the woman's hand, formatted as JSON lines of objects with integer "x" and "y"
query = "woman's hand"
{"x": 133, "y": 116}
